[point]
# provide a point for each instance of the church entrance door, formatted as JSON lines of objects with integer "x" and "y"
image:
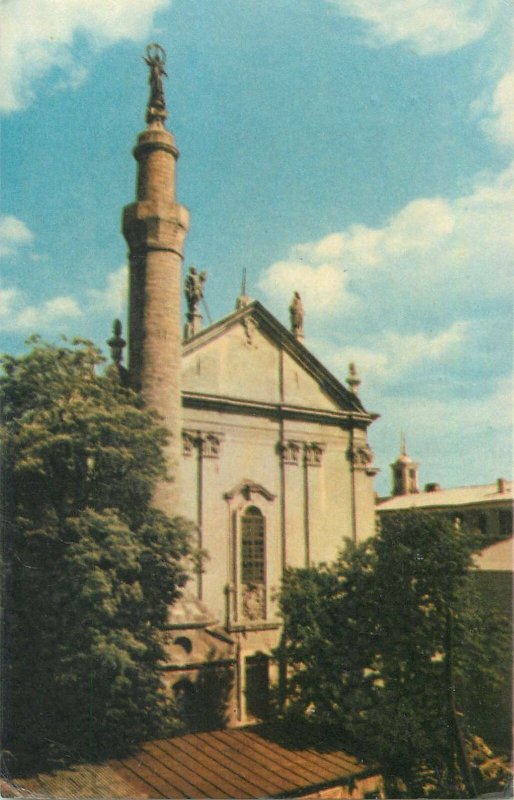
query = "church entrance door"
{"x": 257, "y": 686}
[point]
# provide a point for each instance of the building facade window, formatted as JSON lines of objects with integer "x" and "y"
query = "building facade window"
{"x": 482, "y": 523}
{"x": 505, "y": 522}
{"x": 252, "y": 545}
{"x": 253, "y": 563}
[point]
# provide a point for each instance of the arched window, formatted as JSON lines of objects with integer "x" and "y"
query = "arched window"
{"x": 252, "y": 546}
{"x": 184, "y": 643}
{"x": 253, "y": 563}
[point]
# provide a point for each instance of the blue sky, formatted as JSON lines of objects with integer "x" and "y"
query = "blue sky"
{"x": 359, "y": 151}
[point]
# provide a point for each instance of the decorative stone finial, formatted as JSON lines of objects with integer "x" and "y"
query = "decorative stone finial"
{"x": 116, "y": 343}
{"x": 403, "y": 446}
{"x": 156, "y": 60}
{"x": 353, "y": 379}
{"x": 296, "y": 315}
{"x": 193, "y": 291}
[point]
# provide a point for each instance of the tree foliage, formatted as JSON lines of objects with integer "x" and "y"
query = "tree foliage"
{"x": 382, "y": 645}
{"x": 92, "y": 566}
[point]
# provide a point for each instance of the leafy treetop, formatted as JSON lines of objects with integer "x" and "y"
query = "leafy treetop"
{"x": 93, "y": 567}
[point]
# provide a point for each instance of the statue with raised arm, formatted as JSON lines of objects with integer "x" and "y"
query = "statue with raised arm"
{"x": 296, "y": 315}
{"x": 193, "y": 289}
{"x": 156, "y": 60}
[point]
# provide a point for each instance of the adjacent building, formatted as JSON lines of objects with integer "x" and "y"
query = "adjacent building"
{"x": 487, "y": 507}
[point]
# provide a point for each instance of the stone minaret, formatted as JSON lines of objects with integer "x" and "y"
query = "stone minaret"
{"x": 155, "y": 227}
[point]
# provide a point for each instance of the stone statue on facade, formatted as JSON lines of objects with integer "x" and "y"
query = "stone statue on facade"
{"x": 193, "y": 290}
{"x": 296, "y": 315}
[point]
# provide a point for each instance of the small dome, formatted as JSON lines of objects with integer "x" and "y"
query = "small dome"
{"x": 404, "y": 459}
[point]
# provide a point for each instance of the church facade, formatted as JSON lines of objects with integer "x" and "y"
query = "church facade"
{"x": 268, "y": 449}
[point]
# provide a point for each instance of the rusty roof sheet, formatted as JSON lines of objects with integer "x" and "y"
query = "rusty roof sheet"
{"x": 234, "y": 763}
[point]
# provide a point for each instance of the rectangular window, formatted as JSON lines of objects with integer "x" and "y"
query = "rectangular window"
{"x": 505, "y": 522}
{"x": 252, "y": 546}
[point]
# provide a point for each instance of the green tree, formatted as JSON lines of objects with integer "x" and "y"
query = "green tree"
{"x": 92, "y": 567}
{"x": 328, "y": 681}
{"x": 386, "y": 644}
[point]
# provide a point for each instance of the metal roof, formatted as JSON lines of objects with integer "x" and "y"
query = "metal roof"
{"x": 441, "y": 498}
{"x": 234, "y": 763}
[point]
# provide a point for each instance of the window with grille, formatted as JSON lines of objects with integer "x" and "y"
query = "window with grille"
{"x": 252, "y": 546}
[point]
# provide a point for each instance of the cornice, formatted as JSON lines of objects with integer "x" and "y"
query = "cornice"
{"x": 238, "y": 627}
{"x": 234, "y": 405}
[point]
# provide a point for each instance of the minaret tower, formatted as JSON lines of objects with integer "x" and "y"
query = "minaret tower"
{"x": 155, "y": 227}
{"x": 404, "y": 472}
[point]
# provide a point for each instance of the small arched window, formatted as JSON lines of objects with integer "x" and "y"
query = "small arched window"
{"x": 253, "y": 534}
{"x": 184, "y": 643}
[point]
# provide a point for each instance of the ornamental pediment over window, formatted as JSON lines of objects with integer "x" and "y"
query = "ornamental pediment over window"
{"x": 248, "y": 489}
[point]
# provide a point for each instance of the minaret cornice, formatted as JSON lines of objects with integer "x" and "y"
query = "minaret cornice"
{"x": 155, "y": 139}
{"x": 155, "y": 225}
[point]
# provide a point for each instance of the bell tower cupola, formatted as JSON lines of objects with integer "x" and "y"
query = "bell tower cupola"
{"x": 404, "y": 472}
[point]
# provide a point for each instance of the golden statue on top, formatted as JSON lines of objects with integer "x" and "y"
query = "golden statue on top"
{"x": 156, "y": 60}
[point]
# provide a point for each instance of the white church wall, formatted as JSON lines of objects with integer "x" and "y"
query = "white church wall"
{"x": 240, "y": 362}
{"x": 301, "y": 389}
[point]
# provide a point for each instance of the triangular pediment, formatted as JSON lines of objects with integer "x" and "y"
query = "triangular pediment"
{"x": 249, "y": 355}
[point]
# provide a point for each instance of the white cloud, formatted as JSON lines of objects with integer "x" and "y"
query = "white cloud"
{"x": 431, "y": 27}
{"x": 498, "y": 122}
{"x": 321, "y": 286}
{"x": 461, "y": 416}
{"x": 392, "y": 354}
{"x": 37, "y": 39}
{"x": 425, "y": 26}
{"x": 13, "y": 233}
{"x": 8, "y": 298}
{"x": 17, "y": 315}
{"x": 410, "y": 263}
{"x": 51, "y": 311}
{"x": 114, "y": 296}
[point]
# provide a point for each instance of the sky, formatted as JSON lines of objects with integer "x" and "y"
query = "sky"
{"x": 357, "y": 151}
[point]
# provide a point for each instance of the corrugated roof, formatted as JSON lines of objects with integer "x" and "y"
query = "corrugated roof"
{"x": 234, "y": 763}
{"x": 459, "y": 496}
